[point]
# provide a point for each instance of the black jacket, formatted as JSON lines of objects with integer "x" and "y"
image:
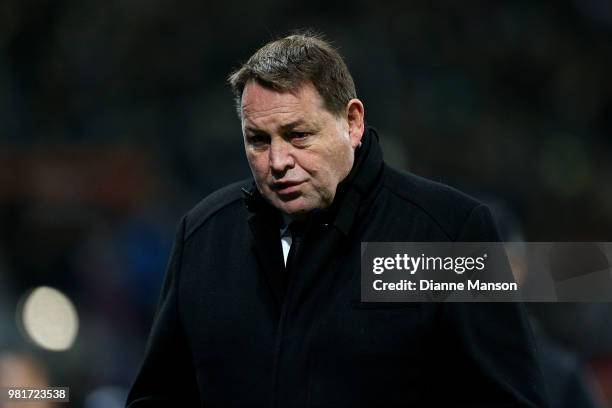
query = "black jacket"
{"x": 234, "y": 330}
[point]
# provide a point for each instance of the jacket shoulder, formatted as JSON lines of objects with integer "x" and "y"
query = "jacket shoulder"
{"x": 445, "y": 206}
{"x": 213, "y": 203}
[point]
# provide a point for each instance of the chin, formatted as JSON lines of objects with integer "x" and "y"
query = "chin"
{"x": 295, "y": 207}
{"x": 295, "y": 210}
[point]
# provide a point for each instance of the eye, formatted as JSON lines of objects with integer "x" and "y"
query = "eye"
{"x": 298, "y": 136}
{"x": 258, "y": 140}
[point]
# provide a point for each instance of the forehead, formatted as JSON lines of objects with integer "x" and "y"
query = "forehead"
{"x": 262, "y": 104}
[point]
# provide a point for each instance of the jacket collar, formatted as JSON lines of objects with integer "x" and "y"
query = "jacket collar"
{"x": 351, "y": 195}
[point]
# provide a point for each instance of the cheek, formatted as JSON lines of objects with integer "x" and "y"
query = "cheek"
{"x": 258, "y": 164}
{"x": 338, "y": 161}
{"x": 322, "y": 170}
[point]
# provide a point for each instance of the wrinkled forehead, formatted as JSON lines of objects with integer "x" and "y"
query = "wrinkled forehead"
{"x": 258, "y": 100}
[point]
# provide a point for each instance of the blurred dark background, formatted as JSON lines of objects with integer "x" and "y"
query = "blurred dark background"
{"x": 115, "y": 119}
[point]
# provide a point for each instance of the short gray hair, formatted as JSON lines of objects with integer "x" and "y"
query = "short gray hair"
{"x": 289, "y": 62}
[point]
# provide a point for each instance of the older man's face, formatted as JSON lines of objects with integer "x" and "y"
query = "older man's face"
{"x": 297, "y": 150}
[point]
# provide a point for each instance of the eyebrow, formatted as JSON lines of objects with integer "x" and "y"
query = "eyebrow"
{"x": 284, "y": 128}
{"x": 292, "y": 125}
{"x": 252, "y": 130}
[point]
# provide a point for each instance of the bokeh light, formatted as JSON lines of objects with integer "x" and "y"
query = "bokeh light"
{"x": 49, "y": 319}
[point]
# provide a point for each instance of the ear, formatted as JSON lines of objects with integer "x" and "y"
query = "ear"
{"x": 354, "y": 115}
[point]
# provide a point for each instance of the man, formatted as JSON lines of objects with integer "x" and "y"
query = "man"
{"x": 261, "y": 303}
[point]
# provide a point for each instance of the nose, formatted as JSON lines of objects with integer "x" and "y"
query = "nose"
{"x": 281, "y": 157}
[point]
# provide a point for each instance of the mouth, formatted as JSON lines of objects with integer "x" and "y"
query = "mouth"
{"x": 286, "y": 187}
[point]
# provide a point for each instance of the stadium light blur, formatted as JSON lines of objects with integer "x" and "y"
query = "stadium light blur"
{"x": 48, "y": 318}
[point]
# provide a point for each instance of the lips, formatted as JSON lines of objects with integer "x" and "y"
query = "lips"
{"x": 286, "y": 187}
